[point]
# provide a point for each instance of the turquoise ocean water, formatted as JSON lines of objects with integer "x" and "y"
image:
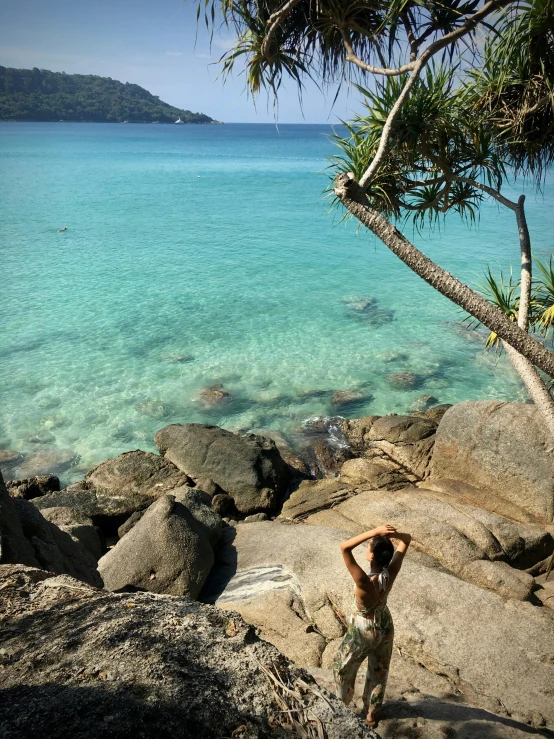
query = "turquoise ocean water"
{"x": 204, "y": 255}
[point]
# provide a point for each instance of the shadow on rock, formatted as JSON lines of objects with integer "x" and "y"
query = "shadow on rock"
{"x": 224, "y": 569}
{"x": 411, "y": 720}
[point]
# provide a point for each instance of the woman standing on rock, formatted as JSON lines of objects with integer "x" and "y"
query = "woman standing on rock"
{"x": 370, "y": 631}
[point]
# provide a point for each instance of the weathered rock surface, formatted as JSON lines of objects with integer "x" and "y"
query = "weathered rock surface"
{"x": 92, "y": 503}
{"x": 402, "y": 429}
{"x": 167, "y": 551}
{"x": 315, "y": 495}
{"x": 136, "y": 473}
{"x": 298, "y": 468}
{"x": 326, "y": 457}
{"x": 376, "y": 476}
{"x": 545, "y": 591}
{"x": 406, "y": 440}
{"x": 55, "y": 550}
{"x": 14, "y": 546}
{"x": 435, "y": 413}
{"x": 499, "y": 577}
{"x": 356, "y": 432}
{"x": 79, "y": 527}
{"x": 80, "y": 662}
{"x": 199, "y": 504}
{"x": 247, "y": 467}
{"x": 501, "y": 448}
{"x": 452, "y": 533}
{"x": 498, "y": 654}
{"x": 33, "y": 487}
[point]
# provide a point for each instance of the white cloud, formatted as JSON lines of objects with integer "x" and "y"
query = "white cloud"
{"x": 224, "y": 43}
{"x": 174, "y": 53}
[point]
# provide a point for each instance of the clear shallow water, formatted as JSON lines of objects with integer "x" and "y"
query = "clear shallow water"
{"x": 201, "y": 255}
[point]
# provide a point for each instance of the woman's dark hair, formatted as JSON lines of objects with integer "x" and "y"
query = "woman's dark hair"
{"x": 382, "y": 549}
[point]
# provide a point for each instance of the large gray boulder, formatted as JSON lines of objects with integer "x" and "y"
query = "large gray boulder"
{"x": 494, "y": 652}
{"x": 167, "y": 551}
{"x": 79, "y": 662}
{"x": 118, "y": 488}
{"x": 407, "y": 440}
{"x": 94, "y": 504}
{"x": 79, "y": 527}
{"x": 499, "y": 448}
{"x": 56, "y": 550}
{"x": 136, "y": 473}
{"x": 247, "y": 467}
{"x": 199, "y": 504}
{"x": 14, "y": 546}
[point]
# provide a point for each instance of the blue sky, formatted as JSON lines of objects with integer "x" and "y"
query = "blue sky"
{"x": 150, "y": 43}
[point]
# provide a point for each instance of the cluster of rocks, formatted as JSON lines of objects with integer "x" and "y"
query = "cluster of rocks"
{"x": 473, "y": 608}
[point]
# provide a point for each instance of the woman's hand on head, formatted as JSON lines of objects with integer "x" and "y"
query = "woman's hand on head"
{"x": 386, "y": 530}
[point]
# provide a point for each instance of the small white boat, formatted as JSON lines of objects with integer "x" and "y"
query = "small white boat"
{"x": 182, "y": 123}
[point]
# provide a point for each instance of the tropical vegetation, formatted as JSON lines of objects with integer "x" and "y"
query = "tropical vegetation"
{"x": 40, "y": 95}
{"x": 458, "y": 99}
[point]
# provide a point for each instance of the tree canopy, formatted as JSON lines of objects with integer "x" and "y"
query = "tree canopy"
{"x": 458, "y": 96}
{"x": 40, "y": 95}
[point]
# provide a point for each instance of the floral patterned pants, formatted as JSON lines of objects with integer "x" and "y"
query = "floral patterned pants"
{"x": 367, "y": 638}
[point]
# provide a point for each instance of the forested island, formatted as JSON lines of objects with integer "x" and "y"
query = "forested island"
{"x": 41, "y": 95}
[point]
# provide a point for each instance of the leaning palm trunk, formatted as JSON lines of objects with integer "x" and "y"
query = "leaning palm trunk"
{"x": 534, "y": 384}
{"x": 355, "y": 201}
{"x": 528, "y": 374}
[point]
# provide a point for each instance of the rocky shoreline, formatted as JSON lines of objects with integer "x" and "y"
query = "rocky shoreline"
{"x": 245, "y": 524}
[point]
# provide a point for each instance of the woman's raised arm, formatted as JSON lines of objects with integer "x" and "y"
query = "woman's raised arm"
{"x": 346, "y": 547}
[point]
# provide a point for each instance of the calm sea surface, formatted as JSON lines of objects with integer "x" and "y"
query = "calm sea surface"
{"x": 204, "y": 255}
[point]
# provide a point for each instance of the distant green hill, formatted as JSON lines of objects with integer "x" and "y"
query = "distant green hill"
{"x": 40, "y": 95}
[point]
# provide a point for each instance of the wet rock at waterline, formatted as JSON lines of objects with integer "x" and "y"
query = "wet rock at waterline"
{"x": 153, "y": 408}
{"x": 9, "y": 458}
{"x": 42, "y": 437}
{"x": 45, "y": 462}
{"x": 325, "y": 458}
{"x": 403, "y": 380}
{"x": 347, "y": 398}
{"x": 297, "y": 465}
{"x": 401, "y": 429}
{"x": 176, "y": 358}
{"x": 247, "y": 467}
{"x": 423, "y": 403}
{"x": 166, "y": 551}
{"x": 368, "y": 309}
{"x": 435, "y": 413}
{"x": 33, "y": 487}
{"x": 212, "y": 396}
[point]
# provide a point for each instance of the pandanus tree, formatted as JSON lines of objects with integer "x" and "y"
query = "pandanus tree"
{"x": 458, "y": 96}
